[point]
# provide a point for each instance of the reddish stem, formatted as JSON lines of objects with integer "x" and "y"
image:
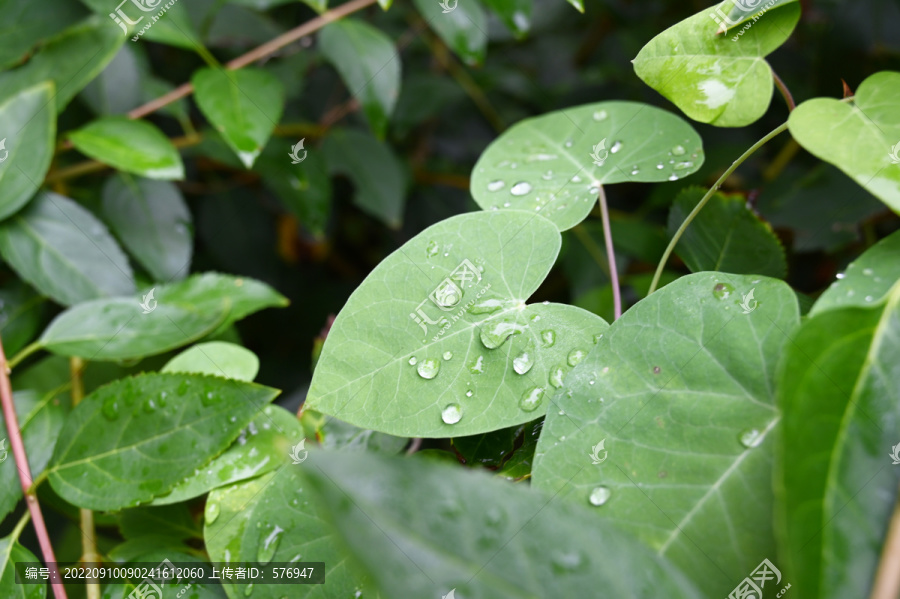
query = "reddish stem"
{"x": 611, "y": 256}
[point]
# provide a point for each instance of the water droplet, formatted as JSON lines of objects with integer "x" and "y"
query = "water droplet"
{"x": 840, "y": 275}
{"x": 656, "y": 370}
{"x": 615, "y": 147}
{"x": 599, "y": 495}
{"x": 531, "y": 399}
{"x": 428, "y": 368}
{"x": 576, "y": 179}
{"x": 209, "y": 398}
{"x": 594, "y": 190}
{"x": 496, "y": 185}
{"x": 722, "y": 290}
{"x": 149, "y": 406}
{"x": 523, "y": 363}
{"x": 486, "y": 306}
{"x": 600, "y": 115}
{"x": 568, "y": 143}
{"x": 678, "y": 150}
{"x": 548, "y": 337}
{"x": 566, "y": 561}
{"x": 660, "y": 166}
{"x": 412, "y": 361}
{"x": 575, "y": 357}
{"x": 495, "y": 334}
{"x": 597, "y": 338}
{"x": 451, "y": 414}
{"x": 432, "y": 249}
{"x": 635, "y": 170}
{"x": 211, "y": 512}
{"x": 111, "y": 408}
{"x": 557, "y": 374}
{"x": 547, "y": 176}
{"x": 673, "y": 177}
{"x": 867, "y": 271}
{"x": 520, "y": 188}
{"x": 680, "y": 166}
{"x": 505, "y": 205}
{"x": 869, "y": 298}
{"x": 249, "y": 590}
{"x": 269, "y": 546}
{"x": 750, "y": 438}
{"x": 448, "y": 355}
{"x": 477, "y": 367}
{"x": 469, "y": 393}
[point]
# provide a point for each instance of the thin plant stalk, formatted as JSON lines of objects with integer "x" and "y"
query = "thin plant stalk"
{"x": 610, "y": 256}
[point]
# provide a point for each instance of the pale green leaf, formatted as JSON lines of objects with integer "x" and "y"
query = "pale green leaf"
{"x": 389, "y": 365}
{"x": 217, "y": 358}
{"x": 11, "y": 552}
{"x": 132, "y": 146}
{"x": 555, "y": 163}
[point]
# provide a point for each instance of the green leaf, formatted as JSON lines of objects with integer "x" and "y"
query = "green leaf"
{"x": 376, "y": 172}
{"x": 217, "y": 358}
{"x": 263, "y": 446}
{"x": 21, "y": 315}
{"x": 337, "y": 434}
{"x": 173, "y": 521}
{"x": 165, "y": 318}
{"x": 369, "y": 65}
{"x": 867, "y": 280}
{"x": 681, "y": 391}
{"x": 304, "y": 189}
{"x": 489, "y": 449}
{"x": 153, "y": 222}
{"x": 11, "y": 553}
{"x": 839, "y": 390}
{"x": 71, "y": 60}
{"x": 578, "y": 4}
{"x": 272, "y": 519}
{"x": 244, "y": 106}
{"x": 555, "y": 163}
{"x": 28, "y": 146}
{"x": 515, "y": 14}
{"x": 182, "y": 420}
{"x": 477, "y": 535}
{"x": 64, "y": 252}
{"x": 25, "y": 24}
{"x": 861, "y": 138}
{"x": 725, "y": 236}
{"x": 463, "y": 28}
{"x": 132, "y": 146}
{"x": 388, "y": 365}
{"x": 712, "y": 78}
{"x": 119, "y": 88}
{"x": 40, "y": 417}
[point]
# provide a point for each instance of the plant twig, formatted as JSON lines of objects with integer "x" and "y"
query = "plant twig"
{"x": 89, "y": 553}
{"x": 705, "y": 199}
{"x": 788, "y": 98}
{"x": 887, "y": 577}
{"x": 21, "y": 459}
{"x": 610, "y": 256}
{"x": 267, "y": 49}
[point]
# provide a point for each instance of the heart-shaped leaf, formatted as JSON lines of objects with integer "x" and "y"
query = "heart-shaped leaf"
{"x": 164, "y": 318}
{"x": 463, "y": 27}
{"x": 27, "y": 148}
{"x": 243, "y": 105}
{"x": 10, "y": 554}
{"x": 836, "y": 481}
{"x": 681, "y": 392}
{"x": 217, "y": 358}
{"x": 867, "y": 280}
{"x": 64, "y": 251}
{"x": 438, "y": 340}
{"x": 555, "y": 163}
{"x": 478, "y": 535}
{"x": 715, "y": 79}
{"x": 182, "y": 420}
{"x": 369, "y": 65}
{"x": 153, "y": 222}
{"x": 861, "y": 138}
{"x": 725, "y": 236}
{"x": 131, "y": 146}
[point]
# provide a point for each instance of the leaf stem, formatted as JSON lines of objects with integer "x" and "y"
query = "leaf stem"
{"x": 20, "y": 526}
{"x": 785, "y": 92}
{"x": 24, "y": 470}
{"x": 610, "y": 256}
{"x": 23, "y": 353}
{"x": 705, "y": 199}
{"x": 887, "y": 577}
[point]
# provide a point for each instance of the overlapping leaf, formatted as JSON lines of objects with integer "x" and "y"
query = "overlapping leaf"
{"x": 217, "y": 358}
{"x": 11, "y": 552}
{"x": 463, "y": 28}
{"x": 132, "y": 146}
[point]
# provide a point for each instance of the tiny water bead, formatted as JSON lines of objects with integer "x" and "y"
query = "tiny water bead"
{"x": 523, "y": 363}
{"x": 269, "y": 546}
{"x": 496, "y": 333}
{"x": 451, "y": 414}
{"x": 531, "y": 399}
{"x": 673, "y": 177}
{"x": 496, "y": 185}
{"x": 448, "y": 355}
{"x": 656, "y": 370}
{"x": 477, "y": 366}
{"x": 548, "y": 337}
{"x": 722, "y": 291}
{"x": 428, "y": 368}
{"x": 750, "y": 438}
{"x": 432, "y": 249}
{"x": 412, "y": 361}
{"x": 867, "y": 272}
{"x": 520, "y": 188}
{"x": 575, "y": 179}
{"x": 575, "y": 357}
{"x": 660, "y": 166}
{"x": 600, "y": 115}
{"x": 678, "y": 150}
{"x": 469, "y": 393}
{"x": 680, "y": 166}
{"x": 111, "y": 408}
{"x": 557, "y": 373}
{"x": 599, "y": 495}
{"x": 615, "y": 147}
{"x": 567, "y": 561}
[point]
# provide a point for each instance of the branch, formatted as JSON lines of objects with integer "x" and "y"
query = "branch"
{"x": 18, "y": 449}
{"x": 610, "y": 256}
{"x": 89, "y": 553}
{"x": 788, "y": 98}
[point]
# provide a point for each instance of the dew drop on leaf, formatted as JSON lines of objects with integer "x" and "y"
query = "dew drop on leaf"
{"x": 600, "y": 115}
{"x": 496, "y": 185}
{"x": 750, "y": 438}
{"x": 599, "y": 495}
{"x": 615, "y": 147}
{"x": 722, "y": 291}
{"x": 678, "y": 150}
{"x": 556, "y": 375}
{"x": 566, "y": 561}
{"x": 412, "y": 361}
{"x": 111, "y": 408}
{"x": 520, "y": 188}
{"x": 451, "y": 414}
{"x": 673, "y": 177}
{"x": 531, "y": 399}
{"x": 269, "y": 545}
{"x": 548, "y": 337}
{"x": 477, "y": 366}
{"x": 495, "y": 334}
{"x": 575, "y": 357}
{"x": 485, "y": 306}
{"x": 523, "y": 363}
{"x": 448, "y": 355}
{"x": 428, "y": 368}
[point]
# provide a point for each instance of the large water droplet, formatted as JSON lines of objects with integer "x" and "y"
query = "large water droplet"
{"x": 495, "y": 334}
{"x": 211, "y": 512}
{"x": 531, "y": 399}
{"x": 428, "y": 368}
{"x": 448, "y": 355}
{"x": 599, "y": 495}
{"x": 486, "y": 306}
{"x": 523, "y": 362}
{"x": 750, "y": 438}
{"x": 451, "y": 414}
{"x": 615, "y": 147}
{"x": 548, "y": 337}
{"x": 477, "y": 367}
{"x": 496, "y": 185}
{"x": 722, "y": 290}
{"x": 111, "y": 408}
{"x": 269, "y": 546}
{"x": 557, "y": 374}
{"x": 678, "y": 150}
{"x": 432, "y": 249}
{"x": 575, "y": 357}
{"x": 520, "y": 188}
{"x": 600, "y": 115}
